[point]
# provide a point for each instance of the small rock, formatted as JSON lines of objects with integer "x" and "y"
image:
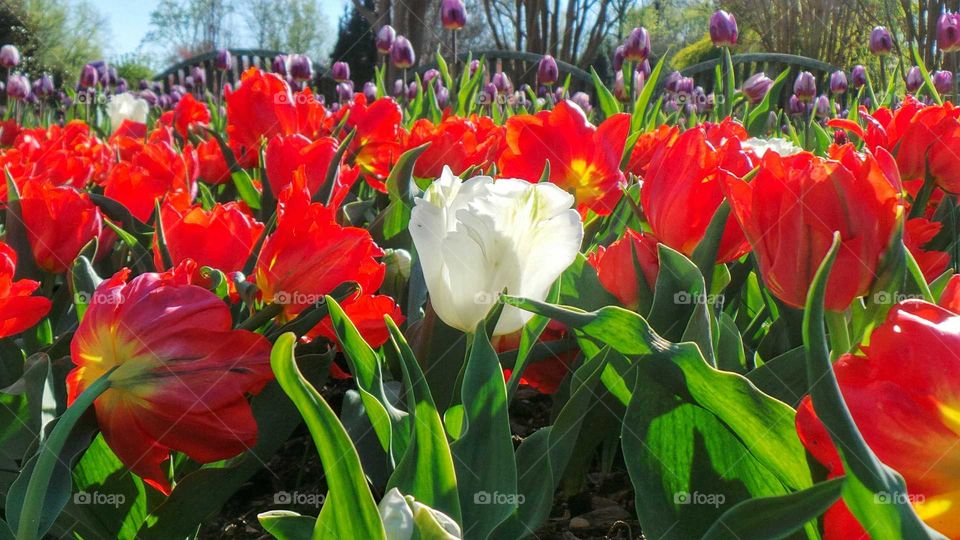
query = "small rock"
{"x": 579, "y": 523}
{"x": 606, "y": 516}
{"x": 602, "y": 502}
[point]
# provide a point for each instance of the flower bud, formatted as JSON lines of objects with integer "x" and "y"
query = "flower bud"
{"x": 795, "y": 106}
{"x": 685, "y": 86}
{"x": 340, "y": 71}
{"x": 398, "y": 88}
{"x": 858, "y": 77}
{"x": 805, "y": 87}
{"x": 402, "y": 54}
{"x": 822, "y": 106}
{"x": 18, "y": 86}
{"x": 9, "y": 56}
{"x": 881, "y": 43}
{"x": 723, "y": 29}
{"x": 838, "y": 82}
{"x": 385, "y": 38}
{"x": 474, "y": 66}
{"x": 948, "y": 32}
{"x": 943, "y": 81}
{"x": 43, "y": 86}
{"x": 443, "y": 96}
{"x": 301, "y": 68}
{"x": 489, "y": 94}
{"x": 199, "y": 76}
{"x": 756, "y": 87}
{"x": 223, "y": 61}
{"x": 636, "y": 48}
{"x": 345, "y": 91}
{"x": 582, "y": 99}
{"x": 412, "y": 90}
{"x": 370, "y": 91}
{"x": 453, "y": 14}
{"x": 88, "y": 76}
{"x": 279, "y": 65}
{"x": 430, "y": 75}
{"x": 502, "y": 82}
{"x": 914, "y": 79}
{"x": 547, "y": 71}
{"x": 618, "y": 58}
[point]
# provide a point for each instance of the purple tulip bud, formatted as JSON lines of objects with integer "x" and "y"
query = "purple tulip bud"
{"x": 344, "y": 91}
{"x": 279, "y": 65}
{"x": 474, "y": 66}
{"x": 121, "y": 86}
{"x": 671, "y": 82}
{"x": 488, "y": 95}
{"x": 943, "y": 81}
{"x": 685, "y": 86}
{"x": 858, "y": 77}
{"x": 582, "y": 99}
{"x": 188, "y": 82}
{"x": 643, "y": 67}
{"x": 547, "y": 71}
{"x": 112, "y": 76}
{"x": 796, "y": 106}
{"x": 370, "y": 91}
{"x": 402, "y": 54}
{"x": 199, "y": 75}
{"x": 223, "y": 61}
{"x": 165, "y": 102}
{"x": 143, "y": 85}
{"x": 301, "y": 68}
{"x": 822, "y": 106}
{"x": 881, "y": 42}
{"x": 430, "y": 75}
{"x": 64, "y": 99}
{"x": 453, "y": 14}
{"x": 443, "y": 97}
{"x": 502, "y": 82}
{"x": 385, "y": 38}
{"x": 412, "y": 90}
{"x": 914, "y": 79}
{"x": 618, "y": 57}
{"x": 756, "y": 87}
{"x": 175, "y": 96}
{"x": 43, "y": 86}
{"x": 88, "y": 76}
{"x": 636, "y": 48}
{"x": 723, "y": 29}
{"x": 948, "y": 32}
{"x": 805, "y": 87}
{"x": 398, "y": 88}
{"x": 9, "y": 56}
{"x": 340, "y": 71}
{"x": 18, "y": 86}
{"x": 838, "y": 82}
{"x": 149, "y": 97}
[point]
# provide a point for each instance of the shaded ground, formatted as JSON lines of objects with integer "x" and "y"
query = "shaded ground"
{"x": 601, "y": 508}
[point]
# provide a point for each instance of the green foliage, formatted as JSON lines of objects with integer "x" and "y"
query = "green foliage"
{"x": 694, "y": 53}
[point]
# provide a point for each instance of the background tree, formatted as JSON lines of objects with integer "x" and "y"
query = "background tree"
{"x": 184, "y": 28}
{"x": 355, "y": 43}
{"x": 54, "y": 36}
{"x": 285, "y": 25}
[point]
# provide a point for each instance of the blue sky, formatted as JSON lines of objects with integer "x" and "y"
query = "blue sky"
{"x": 130, "y": 20}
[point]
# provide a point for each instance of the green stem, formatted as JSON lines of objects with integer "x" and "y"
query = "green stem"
{"x": 48, "y": 455}
{"x": 260, "y": 318}
{"x": 839, "y": 336}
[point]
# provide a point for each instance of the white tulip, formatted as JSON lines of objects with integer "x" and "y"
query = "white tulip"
{"x": 127, "y": 106}
{"x": 402, "y": 515}
{"x": 478, "y": 237}
{"x": 775, "y": 144}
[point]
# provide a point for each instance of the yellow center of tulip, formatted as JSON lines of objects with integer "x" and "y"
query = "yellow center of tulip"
{"x": 113, "y": 349}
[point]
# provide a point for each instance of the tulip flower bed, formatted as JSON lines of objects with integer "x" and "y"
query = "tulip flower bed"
{"x": 460, "y": 313}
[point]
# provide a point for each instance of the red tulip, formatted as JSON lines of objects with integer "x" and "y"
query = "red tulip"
{"x": 295, "y": 154}
{"x": 155, "y": 170}
{"x": 18, "y": 309}
{"x": 584, "y": 160}
{"x": 376, "y": 146}
{"x": 547, "y": 374}
{"x": 792, "y": 207}
{"x": 9, "y": 129}
{"x": 903, "y": 393}
{"x": 681, "y": 191}
{"x": 646, "y": 147}
{"x": 182, "y": 373}
{"x": 222, "y": 237}
{"x": 916, "y": 233}
{"x": 617, "y": 266}
{"x": 261, "y": 106}
{"x": 950, "y": 298}
{"x": 211, "y": 165}
{"x": 308, "y": 255}
{"x": 60, "y": 221}
{"x": 189, "y": 112}
{"x": 459, "y": 143}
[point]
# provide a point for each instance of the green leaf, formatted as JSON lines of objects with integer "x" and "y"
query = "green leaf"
{"x": 428, "y": 449}
{"x": 580, "y": 287}
{"x": 608, "y": 103}
{"x": 15, "y": 233}
{"x": 528, "y": 338}
{"x": 680, "y": 310}
{"x": 772, "y": 518}
{"x": 783, "y": 377}
{"x": 643, "y": 100}
{"x": 390, "y": 424}
{"x": 486, "y": 470}
{"x": 349, "y": 510}
{"x": 333, "y": 170}
{"x": 928, "y": 82}
{"x": 730, "y": 355}
{"x": 875, "y": 494}
{"x": 287, "y": 525}
{"x": 248, "y": 193}
{"x": 757, "y": 119}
